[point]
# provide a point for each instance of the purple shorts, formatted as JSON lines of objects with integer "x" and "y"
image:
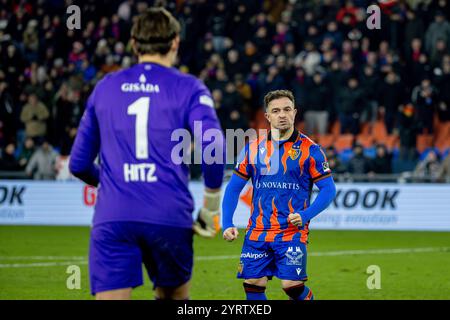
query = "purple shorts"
{"x": 118, "y": 250}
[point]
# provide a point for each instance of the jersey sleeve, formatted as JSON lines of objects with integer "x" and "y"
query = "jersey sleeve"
{"x": 318, "y": 164}
{"x": 86, "y": 146}
{"x": 243, "y": 167}
{"x": 201, "y": 111}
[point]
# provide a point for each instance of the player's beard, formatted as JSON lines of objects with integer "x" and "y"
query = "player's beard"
{"x": 281, "y": 129}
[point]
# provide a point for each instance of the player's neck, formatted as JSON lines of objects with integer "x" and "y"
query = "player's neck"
{"x": 278, "y": 134}
{"x": 162, "y": 60}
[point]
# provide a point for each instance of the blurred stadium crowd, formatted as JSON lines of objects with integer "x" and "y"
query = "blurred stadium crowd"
{"x": 377, "y": 100}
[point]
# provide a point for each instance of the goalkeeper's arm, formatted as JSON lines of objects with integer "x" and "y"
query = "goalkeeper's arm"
{"x": 207, "y": 223}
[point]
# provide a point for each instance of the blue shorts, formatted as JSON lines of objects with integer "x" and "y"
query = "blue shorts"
{"x": 284, "y": 260}
{"x": 118, "y": 250}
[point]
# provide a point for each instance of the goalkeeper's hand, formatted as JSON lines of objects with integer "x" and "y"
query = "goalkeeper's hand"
{"x": 207, "y": 223}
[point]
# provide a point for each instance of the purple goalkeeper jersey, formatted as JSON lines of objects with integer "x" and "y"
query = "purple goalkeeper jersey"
{"x": 128, "y": 122}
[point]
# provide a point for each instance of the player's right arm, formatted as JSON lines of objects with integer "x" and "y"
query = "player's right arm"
{"x": 201, "y": 111}
{"x": 86, "y": 147}
{"x": 237, "y": 182}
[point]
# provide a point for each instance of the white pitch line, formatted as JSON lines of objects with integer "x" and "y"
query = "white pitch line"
{"x": 43, "y": 264}
{"x": 82, "y": 260}
{"x": 43, "y": 258}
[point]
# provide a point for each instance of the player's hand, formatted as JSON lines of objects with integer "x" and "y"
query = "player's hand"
{"x": 230, "y": 234}
{"x": 207, "y": 223}
{"x": 296, "y": 219}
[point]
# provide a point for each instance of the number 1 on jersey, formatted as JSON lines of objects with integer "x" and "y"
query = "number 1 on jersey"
{"x": 140, "y": 109}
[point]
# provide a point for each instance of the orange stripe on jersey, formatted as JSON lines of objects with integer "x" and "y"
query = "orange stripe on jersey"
{"x": 312, "y": 168}
{"x": 304, "y": 233}
{"x": 259, "y": 224}
{"x": 269, "y": 152}
{"x": 254, "y": 152}
{"x": 250, "y": 223}
{"x": 286, "y": 147}
{"x": 274, "y": 224}
{"x": 304, "y": 149}
{"x": 243, "y": 165}
{"x": 322, "y": 177}
{"x": 291, "y": 230}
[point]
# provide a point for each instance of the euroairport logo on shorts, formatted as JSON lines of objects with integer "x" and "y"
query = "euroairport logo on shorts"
{"x": 255, "y": 256}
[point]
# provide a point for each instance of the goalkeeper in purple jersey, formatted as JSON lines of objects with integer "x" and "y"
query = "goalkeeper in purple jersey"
{"x": 143, "y": 213}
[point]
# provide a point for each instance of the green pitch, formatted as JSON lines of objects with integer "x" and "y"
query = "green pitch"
{"x": 413, "y": 265}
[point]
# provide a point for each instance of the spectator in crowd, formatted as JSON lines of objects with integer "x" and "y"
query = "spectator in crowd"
{"x": 425, "y": 100}
{"x": 444, "y": 171}
{"x": 408, "y": 130}
{"x": 245, "y": 92}
{"x": 381, "y": 164}
{"x": 42, "y": 164}
{"x": 316, "y": 107}
{"x": 336, "y": 165}
{"x": 34, "y": 115}
{"x": 390, "y": 100}
{"x": 442, "y": 82}
{"x": 370, "y": 84}
{"x": 299, "y": 89}
{"x": 414, "y": 27}
{"x": 438, "y": 30}
{"x": 350, "y": 106}
{"x": 428, "y": 169}
{"x": 7, "y": 111}
{"x": 8, "y": 161}
{"x": 26, "y": 153}
{"x": 359, "y": 163}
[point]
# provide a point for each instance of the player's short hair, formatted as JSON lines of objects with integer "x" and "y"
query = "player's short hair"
{"x": 153, "y": 31}
{"x": 277, "y": 94}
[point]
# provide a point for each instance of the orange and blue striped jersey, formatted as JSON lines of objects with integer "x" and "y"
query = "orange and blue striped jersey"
{"x": 282, "y": 174}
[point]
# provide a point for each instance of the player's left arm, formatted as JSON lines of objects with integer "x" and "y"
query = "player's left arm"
{"x": 86, "y": 147}
{"x": 320, "y": 173}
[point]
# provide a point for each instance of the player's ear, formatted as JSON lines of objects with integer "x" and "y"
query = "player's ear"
{"x": 175, "y": 43}
{"x": 266, "y": 114}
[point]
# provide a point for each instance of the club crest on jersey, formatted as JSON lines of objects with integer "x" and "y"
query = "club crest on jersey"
{"x": 326, "y": 166}
{"x": 294, "y": 256}
{"x": 294, "y": 152}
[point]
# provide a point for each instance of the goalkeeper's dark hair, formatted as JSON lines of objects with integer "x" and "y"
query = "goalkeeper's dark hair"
{"x": 153, "y": 31}
{"x": 277, "y": 94}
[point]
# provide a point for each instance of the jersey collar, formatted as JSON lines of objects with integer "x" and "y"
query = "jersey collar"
{"x": 292, "y": 138}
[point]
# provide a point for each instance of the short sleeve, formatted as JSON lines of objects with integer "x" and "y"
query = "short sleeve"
{"x": 319, "y": 167}
{"x": 243, "y": 168}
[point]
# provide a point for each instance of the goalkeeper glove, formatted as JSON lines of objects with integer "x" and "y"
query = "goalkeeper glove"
{"x": 207, "y": 223}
